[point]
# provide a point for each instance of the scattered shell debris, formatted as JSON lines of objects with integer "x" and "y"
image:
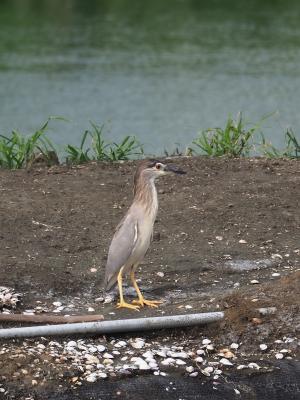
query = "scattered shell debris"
{"x": 90, "y": 360}
{"x": 9, "y": 299}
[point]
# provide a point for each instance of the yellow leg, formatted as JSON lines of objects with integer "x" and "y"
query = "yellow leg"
{"x": 141, "y": 301}
{"x": 122, "y": 303}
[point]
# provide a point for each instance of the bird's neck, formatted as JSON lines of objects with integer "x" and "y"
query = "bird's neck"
{"x": 146, "y": 195}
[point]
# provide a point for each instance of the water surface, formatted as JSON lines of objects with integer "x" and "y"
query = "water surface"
{"x": 162, "y": 70}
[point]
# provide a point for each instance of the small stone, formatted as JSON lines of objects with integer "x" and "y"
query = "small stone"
{"x": 108, "y": 299}
{"x": 236, "y": 391}
{"x": 148, "y": 354}
{"x": 99, "y": 299}
{"x": 153, "y": 364}
{"x": 71, "y": 343}
{"x": 188, "y": 307}
{"x": 219, "y": 237}
{"x": 138, "y": 344}
{"x": 189, "y": 369}
{"x": 275, "y": 274}
{"x": 199, "y": 359}
{"x": 267, "y": 310}
{"x": 210, "y": 347}
{"x": 92, "y": 349}
{"x": 34, "y": 382}
{"x": 180, "y": 362}
{"x": 227, "y": 354}
{"x": 168, "y": 361}
{"x": 91, "y": 378}
{"x": 263, "y": 346}
{"x": 161, "y": 353}
{"x": 91, "y": 309}
{"x": 120, "y": 343}
{"x": 108, "y": 356}
{"x": 276, "y": 256}
{"x": 234, "y": 346}
{"x": 253, "y": 366}
{"x": 242, "y": 241}
{"x": 205, "y": 342}
{"x": 279, "y": 356}
{"x": 101, "y": 348}
{"x": 194, "y": 374}
{"x": 254, "y": 282}
{"x": 140, "y": 363}
{"x": 241, "y": 366}
{"x": 224, "y": 361}
{"x": 102, "y": 375}
{"x": 90, "y": 359}
{"x": 178, "y": 354}
{"x": 93, "y": 270}
{"x": 200, "y": 352}
{"x": 207, "y": 371}
{"x": 57, "y": 303}
{"x": 160, "y": 274}
{"x": 256, "y": 321}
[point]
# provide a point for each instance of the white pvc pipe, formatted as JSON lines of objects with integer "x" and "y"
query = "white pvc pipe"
{"x": 122, "y": 325}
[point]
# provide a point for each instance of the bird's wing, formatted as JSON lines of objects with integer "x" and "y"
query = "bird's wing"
{"x": 120, "y": 249}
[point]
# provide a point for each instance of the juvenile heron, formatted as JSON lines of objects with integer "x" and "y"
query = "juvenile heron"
{"x": 133, "y": 234}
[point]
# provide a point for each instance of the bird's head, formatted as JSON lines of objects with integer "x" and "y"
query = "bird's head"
{"x": 153, "y": 169}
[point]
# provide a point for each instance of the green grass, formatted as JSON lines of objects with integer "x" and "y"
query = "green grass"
{"x": 234, "y": 140}
{"x": 94, "y": 147}
{"x": 291, "y": 150}
{"x": 17, "y": 150}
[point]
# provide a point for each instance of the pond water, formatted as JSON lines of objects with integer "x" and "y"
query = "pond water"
{"x": 161, "y": 70}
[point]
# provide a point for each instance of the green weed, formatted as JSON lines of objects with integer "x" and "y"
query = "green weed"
{"x": 291, "y": 150}
{"x": 17, "y": 151}
{"x": 235, "y": 140}
{"x": 100, "y": 150}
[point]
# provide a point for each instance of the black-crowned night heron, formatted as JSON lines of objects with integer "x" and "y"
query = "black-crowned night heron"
{"x": 133, "y": 234}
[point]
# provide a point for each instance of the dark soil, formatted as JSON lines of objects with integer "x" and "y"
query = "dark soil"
{"x": 224, "y": 224}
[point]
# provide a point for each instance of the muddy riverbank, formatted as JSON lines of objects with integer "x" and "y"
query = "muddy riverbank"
{"x": 227, "y": 237}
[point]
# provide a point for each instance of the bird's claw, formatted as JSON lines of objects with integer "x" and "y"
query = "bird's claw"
{"x": 150, "y": 303}
{"x": 123, "y": 304}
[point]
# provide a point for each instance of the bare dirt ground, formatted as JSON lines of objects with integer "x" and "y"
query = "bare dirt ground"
{"x": 227, "y": 237}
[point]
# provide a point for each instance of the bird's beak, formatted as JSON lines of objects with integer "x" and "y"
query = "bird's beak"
{"x": 173, "y": 168}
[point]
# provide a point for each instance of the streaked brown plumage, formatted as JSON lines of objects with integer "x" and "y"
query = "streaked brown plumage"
{"x": 133, "y": 235}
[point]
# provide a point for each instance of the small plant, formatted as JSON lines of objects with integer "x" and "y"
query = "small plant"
{"x": 17, "y": 151}
{"x": 232, "y": 141}
{"x": 127, "y": 148}
{"x": 100, "y": 149}
{"x": 78, "y": 155}
{"x": 291, "y": 150}
{"x": 177, "y": 152}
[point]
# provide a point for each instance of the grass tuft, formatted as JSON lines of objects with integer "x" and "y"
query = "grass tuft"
{"x": 18, "y": 151}
{"x": 100, "y": 150}
{"x": 235, "y": 140}
{"x": 291, "y": 150}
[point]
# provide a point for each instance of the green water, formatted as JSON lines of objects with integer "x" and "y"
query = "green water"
{"x": 159, "y": 69}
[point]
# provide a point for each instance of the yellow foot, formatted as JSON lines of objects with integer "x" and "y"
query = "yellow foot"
{"x": 123, "y": 304}
{"x": 143, "y": 302}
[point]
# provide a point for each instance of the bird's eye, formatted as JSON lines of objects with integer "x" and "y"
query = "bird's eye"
{"x": 157, "y": 166}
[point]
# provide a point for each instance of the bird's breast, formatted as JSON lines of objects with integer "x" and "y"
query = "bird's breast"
{"x": 144, "y": 235}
